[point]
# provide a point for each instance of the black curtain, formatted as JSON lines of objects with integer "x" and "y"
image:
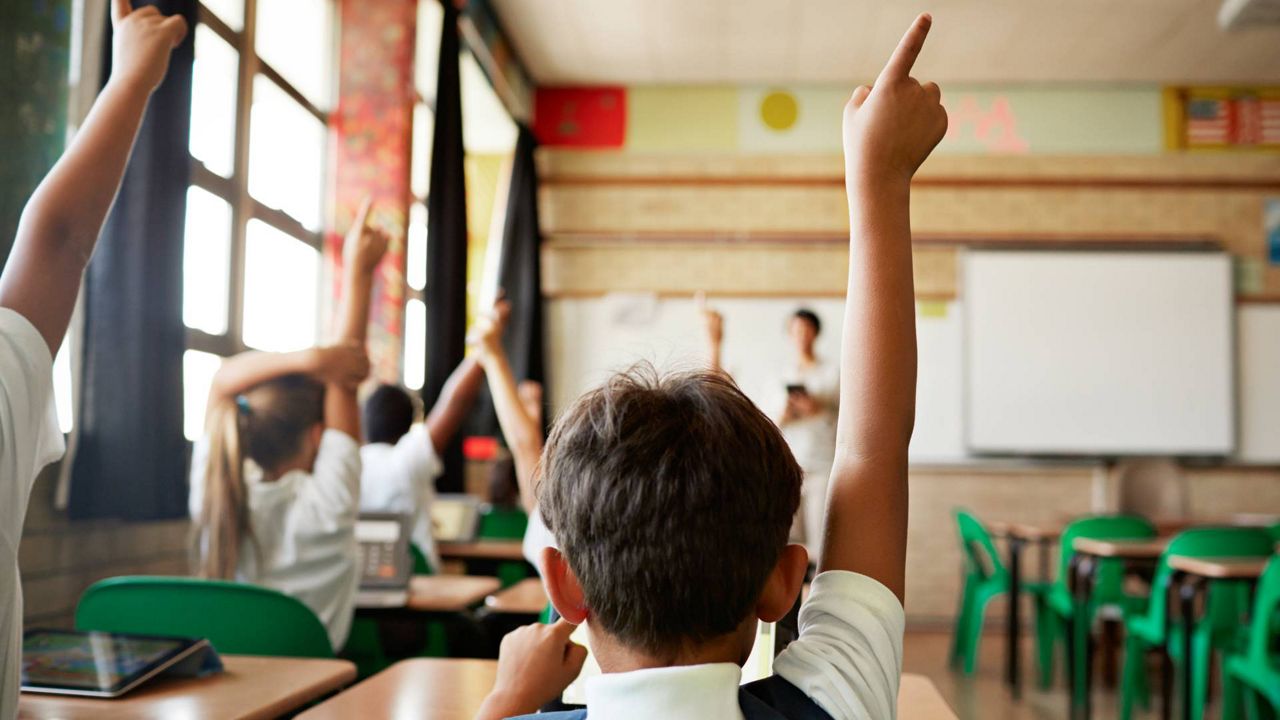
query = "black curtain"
{"x": 520, "y": 271}
{"x": 131, "y": 458}
{"x": 446, "y": 292}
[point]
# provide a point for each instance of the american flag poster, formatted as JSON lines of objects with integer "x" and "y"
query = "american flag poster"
{"x": 1238, "y": 119}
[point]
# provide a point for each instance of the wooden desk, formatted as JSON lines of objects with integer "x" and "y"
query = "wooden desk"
{"x": 482, "y": 550}
{"x": 439, "y": 689}
{"x": 1124, "y": 549}
{"x": 1191, "y": 578}
{"x": 449, "y": 593}
{"x": 526, "y": 597}
{"x": 251, "y": 687}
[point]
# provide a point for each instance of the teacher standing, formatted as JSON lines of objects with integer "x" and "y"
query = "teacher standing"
{"x": 807, "y": 417}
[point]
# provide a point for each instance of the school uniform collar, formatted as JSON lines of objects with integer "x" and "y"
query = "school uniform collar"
{"x": 700, "y": 692}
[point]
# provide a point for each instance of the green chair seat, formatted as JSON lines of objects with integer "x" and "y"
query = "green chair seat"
{"x": 235, "y": 617}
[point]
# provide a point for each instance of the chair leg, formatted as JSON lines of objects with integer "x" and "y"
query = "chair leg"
{"x": 1046, "y": 636}
{"x": 962, "y": 622}
{"x": 1132, "y": 675}
{"x": 1199, "y": 666}
{"x": 1232, "y": 695}
{"x": 973, "y": 636}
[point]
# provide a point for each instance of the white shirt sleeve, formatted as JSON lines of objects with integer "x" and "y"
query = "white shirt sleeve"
{"x": 29, "y": 439}
{"x": 330, "y": 497}
{"x": 848, "y": 657}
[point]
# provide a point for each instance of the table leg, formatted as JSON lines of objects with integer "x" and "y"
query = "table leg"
{"x": 1015, "y": 593}
{"x": 1073, "y": 567}
{"x": 1079, "y": 638}
{"x": 1187, "y": 591}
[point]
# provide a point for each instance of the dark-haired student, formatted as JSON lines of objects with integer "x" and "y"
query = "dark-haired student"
{"x": 671, "y": 497}
{"x": 275, "y": 481}
{"x": 55, "y": 239}
{"x": 402, "y": 458}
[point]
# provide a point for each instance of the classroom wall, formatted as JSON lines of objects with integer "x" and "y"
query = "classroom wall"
{"x": 58, "y": 558}
{"x": 744, "y": 225}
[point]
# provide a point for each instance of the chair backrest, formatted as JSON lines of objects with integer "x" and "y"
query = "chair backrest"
{"x": 420, "y": 564}
{"x": 978, "y": 548}
{"x": 1105, "y": 527}
{"x": 499, "y": 523}
{"x": 1205, "y": 542}
{"x": 235, "y": 617}
{"x": 1264, "y": 626}
{"x": 1274, "y": 530}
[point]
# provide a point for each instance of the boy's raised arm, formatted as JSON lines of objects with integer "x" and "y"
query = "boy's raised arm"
{"x": 61, "y": 222}
{"x": 889, "y": 130}
{"x": 362, "y": 251}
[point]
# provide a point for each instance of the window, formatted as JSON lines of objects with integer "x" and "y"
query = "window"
{"x": 262, "y": 83}
{"x": 426, "y": 64}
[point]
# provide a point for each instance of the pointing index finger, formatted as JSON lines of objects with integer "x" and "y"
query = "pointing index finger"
{"x": 904, "y": 56}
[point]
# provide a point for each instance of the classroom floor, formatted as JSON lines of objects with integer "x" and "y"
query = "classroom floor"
{"x": 984, "y": 696}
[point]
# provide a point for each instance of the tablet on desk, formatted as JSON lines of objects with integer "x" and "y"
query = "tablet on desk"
{"x": 98, "y": 664}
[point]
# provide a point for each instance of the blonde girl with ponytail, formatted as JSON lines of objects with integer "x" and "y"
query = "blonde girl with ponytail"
{"x": 275, "y": 481}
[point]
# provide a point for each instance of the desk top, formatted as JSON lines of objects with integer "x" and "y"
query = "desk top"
{"x": 449, "y": 593}
{"x": 1025, "y": 531}
{"x": 1129, "y": 549}
{"x": 1223, "y": 568}
{"x": 524, "y": 598}
{"x": 481, "y": 550}
{"x": 440, "y": 689}
{"x": 250, "y": 688}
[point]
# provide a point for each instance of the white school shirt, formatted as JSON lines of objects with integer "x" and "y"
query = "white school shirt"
{"x": 848, "y": 660}
{"x": 29, "y": 440}
{"x": 813, "y": 439}
{"x": 303, "y": 530}
{"x": 536, "y": 537}
{"x": 401, "y": 478}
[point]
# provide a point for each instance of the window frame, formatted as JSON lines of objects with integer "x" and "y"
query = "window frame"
{"x": 234, "y": 190}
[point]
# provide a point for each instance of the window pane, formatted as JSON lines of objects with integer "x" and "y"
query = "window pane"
{"x": 280, "y": 278}
{"x": 294, "y": 38}
{"x": 230, "y": 12}
{"x": 197, "y": 374}
{"x": 416, "y": 251}
{"x": 427, "y": 53}
{"x": 415, "y": 344}
{"x": 286, "y": 154}
{"x": 423, "y": 134}
{"x": 487, "y": 128}
{"x": 213, "y": 102}
{"x": 62, "y": 387}
{"x": 206, "y": 262}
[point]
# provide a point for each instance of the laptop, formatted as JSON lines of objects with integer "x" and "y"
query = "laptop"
{"x": 455, "y": 518}
{"x": 385, "y": 564}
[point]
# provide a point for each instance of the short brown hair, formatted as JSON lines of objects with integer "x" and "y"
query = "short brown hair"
{"x": 671, "y": 497}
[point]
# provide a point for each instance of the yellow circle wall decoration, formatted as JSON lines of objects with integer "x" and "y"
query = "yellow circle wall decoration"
{"x": 779, "y": 110}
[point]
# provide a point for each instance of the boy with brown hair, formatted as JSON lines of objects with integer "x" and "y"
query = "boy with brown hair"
{"x": 671, "y": 497}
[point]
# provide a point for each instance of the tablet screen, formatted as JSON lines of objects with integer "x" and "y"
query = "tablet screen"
{"x": 91, "y": 661}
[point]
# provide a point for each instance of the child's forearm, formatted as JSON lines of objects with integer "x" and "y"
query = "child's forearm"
{"x": 456, "y": 398}
{"x": 61, "y": 222}
{"x": 353, "y": 325}
{"x": 523, "y": 435}
{"x": 242, "y": 372}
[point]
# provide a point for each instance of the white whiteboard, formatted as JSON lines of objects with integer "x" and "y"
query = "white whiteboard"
{"x": 1098, "y": 353}
{"x": 591, "y": 337}
{"x": 1258, "y": 330}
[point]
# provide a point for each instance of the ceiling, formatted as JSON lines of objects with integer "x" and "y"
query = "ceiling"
{"x": 571, "y": 42}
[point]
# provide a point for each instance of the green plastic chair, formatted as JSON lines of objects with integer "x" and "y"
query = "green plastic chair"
{"x": 420, "y": 564}
{"x": 1055, "y": 606}
{"x": 501, "y": 523}
{"x": 1254, "y": 674}
{"x": 1224, "y": 610}
{"x": 236, "y": 618}
{"x": 985, "y": 577}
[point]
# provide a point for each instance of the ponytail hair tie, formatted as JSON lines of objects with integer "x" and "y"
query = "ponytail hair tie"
{"x": 242, "y": 403}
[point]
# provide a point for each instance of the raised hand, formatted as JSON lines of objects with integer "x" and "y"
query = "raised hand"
{"x": 345, "y": 364}
{"x": 143, "y": 40}
{"x": 365, "y": 244}
{"x": 486, "y": 334}
{"x": 891, "y": 127}
{"x": 712, "y": 321}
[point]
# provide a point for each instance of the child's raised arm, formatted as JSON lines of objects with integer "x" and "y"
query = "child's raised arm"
{"x": 61, "y": 222}
{"x": 456, "y": 398}
{"x": 362, "y": 251}
{"x": 889, "y": 130}
{"x": 522, "y": 431}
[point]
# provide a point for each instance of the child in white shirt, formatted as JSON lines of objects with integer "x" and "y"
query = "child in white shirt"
{"x": 275, "y": 482}
{"x": 55, "y": 239}
{"x": 402, "y": 458}
{"x": 672, "y": 497}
